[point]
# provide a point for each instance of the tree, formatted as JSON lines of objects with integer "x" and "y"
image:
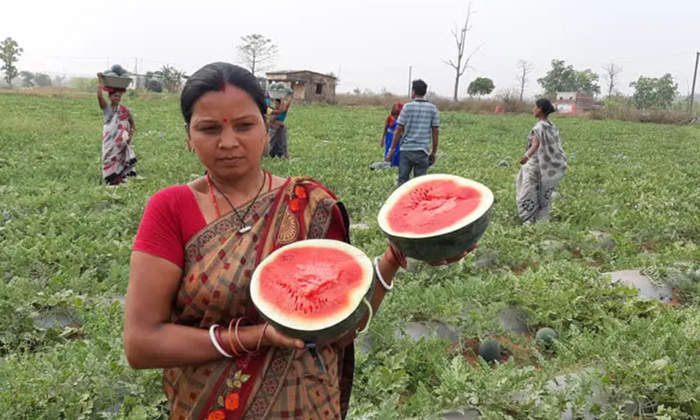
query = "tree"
{"x": 563, "y": 78}
{"x": 461, "y": 41}
{"x": 27, "y": 78}
{"x": 587, "y": 81}
{"x": 59, "y": 81}
{"x": 480, "y": 86}
{"x": 171, "y": 78}
{"x": 257, "y": 52}
{"x": 524, "y": 70}
{"x": 42, "y": 79}
{"x": 9, "y": 55}
{"x": 612, "y": 70}
{"x": 650, "y": 92}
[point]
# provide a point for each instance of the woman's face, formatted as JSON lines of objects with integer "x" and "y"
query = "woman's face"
{"x": 228, "y": 133}
{"x": 395, "y": 110}
{"x": 537, "y": 111}
{"x": 116, "y": 97}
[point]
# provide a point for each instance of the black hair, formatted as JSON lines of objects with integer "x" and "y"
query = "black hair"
{"x": 420, "y": 87}
{"x": 546, "y": 106}
{"x": 278, "y": 100}
{"x": 115, "y": 90}
{"x": 213, "y": 78}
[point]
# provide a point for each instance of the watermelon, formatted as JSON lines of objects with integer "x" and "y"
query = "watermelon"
{"x": 545, "y": 337}
{"x": 314, "y": 290}
{"x": 490, "y": 350}
{"x": 436, "y": 217}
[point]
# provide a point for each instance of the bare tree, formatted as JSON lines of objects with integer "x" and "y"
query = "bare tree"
{"x": 612, "y": 70}
{"x": 461, "y": 41}
{"x": 524, "y": 68}
{"x": 257, "y": 52}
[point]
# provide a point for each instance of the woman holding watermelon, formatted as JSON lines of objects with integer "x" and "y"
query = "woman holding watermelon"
{"x": 188, "y": 310}
{"x": 543, "y": 166}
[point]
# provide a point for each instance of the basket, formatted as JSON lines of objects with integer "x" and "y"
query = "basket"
{"x": 117, "y": 81}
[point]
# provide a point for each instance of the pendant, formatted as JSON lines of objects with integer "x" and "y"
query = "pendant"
{"x": 244, "y": 229}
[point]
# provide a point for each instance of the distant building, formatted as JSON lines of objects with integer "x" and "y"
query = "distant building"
{"x": 307, "y": 86}
{"x": 573, "y": 102}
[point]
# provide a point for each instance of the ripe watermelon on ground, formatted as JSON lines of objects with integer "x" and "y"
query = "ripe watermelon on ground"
{"x": 313, "y": 290}
{"x": 436, "y": 217}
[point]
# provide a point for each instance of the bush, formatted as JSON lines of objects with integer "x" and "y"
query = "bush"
{"x": 509, "y": 104}
{"x": 623, "y": 108}
{"x": 83, "y": 84}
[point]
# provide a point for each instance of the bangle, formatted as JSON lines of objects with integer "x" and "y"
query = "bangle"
{"x": 215, "y": 342}
{"x": 230, "y": 337}
{"x": 240, "y": 343}
{"x": 267, "y": 324}
{"x": 387, "y": 287}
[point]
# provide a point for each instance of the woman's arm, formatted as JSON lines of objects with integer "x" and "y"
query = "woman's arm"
{"x": 532, "y": 150}
{"x": 100, "y": 96}
{"x": 152, "y": 341}
{"x": 132, "y": 125}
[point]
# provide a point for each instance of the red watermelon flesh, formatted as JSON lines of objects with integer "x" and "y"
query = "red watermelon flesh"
{"x": 312, "y": 281}
{"x": 433, "y": 206}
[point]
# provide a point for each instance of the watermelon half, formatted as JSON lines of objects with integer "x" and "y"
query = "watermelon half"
{"x": 314, "y": 290}
{"x": 436, "y": 217}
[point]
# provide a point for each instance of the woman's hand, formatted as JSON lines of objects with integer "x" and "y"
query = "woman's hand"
{"x": 274, "y": 338}
{"x": 524, "y": 159}
{"x": 453, "y": 259}
{"x": 389, "y": 155}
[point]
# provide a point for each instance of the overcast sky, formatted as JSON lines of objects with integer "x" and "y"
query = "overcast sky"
{"x": 370, "y": 43}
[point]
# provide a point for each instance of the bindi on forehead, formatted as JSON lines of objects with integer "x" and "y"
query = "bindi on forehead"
{"x": 225, "y": 120}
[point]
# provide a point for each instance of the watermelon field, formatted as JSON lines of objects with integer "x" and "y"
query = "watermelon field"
{"x": 630, "y": 201}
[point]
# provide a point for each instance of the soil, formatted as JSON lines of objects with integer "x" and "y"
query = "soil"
{"x": 523, "y": 356}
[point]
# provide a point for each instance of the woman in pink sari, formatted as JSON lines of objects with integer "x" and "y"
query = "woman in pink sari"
{"x": 194, "y": 254}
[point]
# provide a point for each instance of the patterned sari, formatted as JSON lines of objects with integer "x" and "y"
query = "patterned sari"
{"x": 118, "y": 158}
{"x": 219, "y": 261}
{"x": 539, "y": 177}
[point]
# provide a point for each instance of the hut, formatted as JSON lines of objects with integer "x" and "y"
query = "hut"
{"x": 307, "y": 86}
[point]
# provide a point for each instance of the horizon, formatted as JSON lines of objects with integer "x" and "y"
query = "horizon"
{"x": 372, "y": 47}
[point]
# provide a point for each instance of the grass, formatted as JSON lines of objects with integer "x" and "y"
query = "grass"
{"x": 65, "y": 242}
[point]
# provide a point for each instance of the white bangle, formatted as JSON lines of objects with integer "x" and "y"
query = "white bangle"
{"x": 388, "y": 287}
{"x": 212, "y": 335}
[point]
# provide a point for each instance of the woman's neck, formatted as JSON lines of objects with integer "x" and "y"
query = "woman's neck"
{"x": 243, "y": 187}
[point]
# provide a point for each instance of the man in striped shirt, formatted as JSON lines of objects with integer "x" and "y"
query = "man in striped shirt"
{"x": 418, "y": 124}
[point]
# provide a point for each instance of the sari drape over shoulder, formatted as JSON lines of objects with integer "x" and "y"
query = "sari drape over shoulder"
{"x": 219, "y": 262}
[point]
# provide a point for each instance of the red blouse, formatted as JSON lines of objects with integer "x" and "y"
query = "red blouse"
{"x": 172, "y": 217}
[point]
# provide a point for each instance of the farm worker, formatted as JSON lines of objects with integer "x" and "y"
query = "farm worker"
{"x": 278, "y": 130}
{"x": 543, "y": 166}
{"x": 498, "y": 109}
{"x": 418, "y": 123}
{"x": 195, "y": 250}
{"x": 388, "y": 137}
{"x": 118, "y": 158}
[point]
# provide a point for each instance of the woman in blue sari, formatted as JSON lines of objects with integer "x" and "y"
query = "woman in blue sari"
{"x": 389, "y": 130}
